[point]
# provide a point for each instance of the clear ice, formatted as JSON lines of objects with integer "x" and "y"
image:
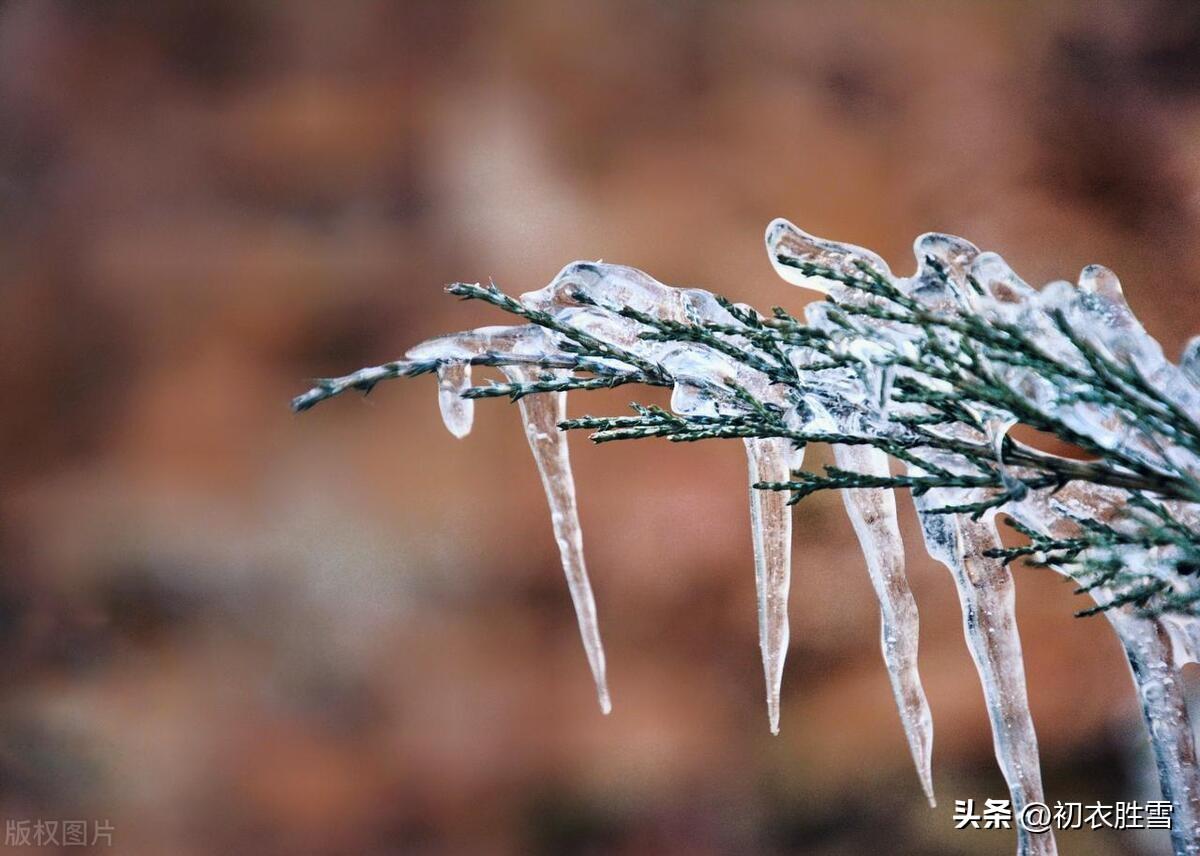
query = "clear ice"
{"x": 457, "y": 412}
{"x": 872, "y": 512}
{"x": 541, "y": 415}
{"x": 987, "y": 597}
{"x": 1160, "y": 689}
{"x": 770, "y": 459}
{"x": 854, "y": 397}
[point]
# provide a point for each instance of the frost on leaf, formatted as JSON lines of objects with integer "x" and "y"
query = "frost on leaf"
{"x": 915, "y": 382}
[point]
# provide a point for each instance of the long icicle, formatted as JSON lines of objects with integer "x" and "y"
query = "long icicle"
{"x": 986, "y": 594}
{"x": 873, "y": 514}
{"x": 541, "y": 415}
{"x": 771, "y": 526}
{"x": 1160, "y": 689}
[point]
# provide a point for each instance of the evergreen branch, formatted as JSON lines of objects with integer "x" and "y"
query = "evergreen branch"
{"x": 364, "y": 380}
{"x": 517, "y": 391}
{"x": 589, "y": 344}
{"x": 936, "y": 378}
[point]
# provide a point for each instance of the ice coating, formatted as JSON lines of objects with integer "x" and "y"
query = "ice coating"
{"x": 1184, "y": 631}
{"x": 999, "y": 282}
{"x": 873, "y": 515}
{"x": 699, "y": 375}
{"x": 1164, "y": 708}
{"x": 1097, "y": 279}
{"x": 1156, "y": 649}
{"x": 454, "y": 378}
{"x": 612, "y": 287}
{"x": 1078, "y": 323}
{"x": 521, "y": 340}
{"x": 955, "y": 256}
{"x": 787, "y": 243}
{"x": 607, "y": 284}
{"x": 541, "y": 415}
{"x": 986, "y": 594}
{"x": 985, "y": 586}
{"x": 1189, "y": 361}
{"x": 771, "y": 529}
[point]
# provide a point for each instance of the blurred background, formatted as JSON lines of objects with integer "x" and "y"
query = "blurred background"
{"x": 227, "y": 629}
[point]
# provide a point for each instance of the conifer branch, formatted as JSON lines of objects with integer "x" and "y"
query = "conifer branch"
{"x": 943, "y": 389}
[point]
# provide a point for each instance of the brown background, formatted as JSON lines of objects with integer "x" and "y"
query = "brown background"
{"x": 231, "y": 630}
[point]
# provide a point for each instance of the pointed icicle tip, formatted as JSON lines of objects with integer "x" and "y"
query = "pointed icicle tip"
{"x": 771, "y": 529}
{"x": 985, "y": 591}
{"x": 873, "y": 515}
{"x": 541, "y": 415}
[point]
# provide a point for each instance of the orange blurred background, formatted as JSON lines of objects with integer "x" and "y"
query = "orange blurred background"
{"x": 228, "y": 629}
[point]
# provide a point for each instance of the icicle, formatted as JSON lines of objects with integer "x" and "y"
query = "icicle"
{"x": 1157, "y": 651}
{"x": 1165, "y": 710}
{"x": 873, "y": 513}
{"x": 985, "y": 591}
{"x": 541, "y": 415}
{"x": 771, "y": 527}
{"x": 457, "y": 412}
{"x": 952, "y": 274}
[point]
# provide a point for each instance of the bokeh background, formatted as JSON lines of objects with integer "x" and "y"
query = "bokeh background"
{"x": 227, "y": 629}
